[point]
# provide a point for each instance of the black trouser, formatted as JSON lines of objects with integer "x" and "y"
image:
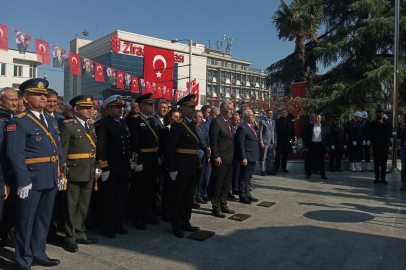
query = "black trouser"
{"x": 2, "y": 202}
{"x": 380, "y": 160}
{"x": 200, "y": 183}
{"x": 113, "y": 195}
{"x": 159, "y": 189}
{"x": 316, "y": 152}
{"x": 143, "y": 192}
{"x": 282, "y": 148}
{"x": 221, "y": 184}
{"x": 57, "y": 213}
{"x": 355, "y": 152}
{"x": 181, "y": 198}
{"x": 244, "y": 179}
{"x": 236, "y": 174}
{"x": 367, "y": 153}
{"x": 335, "y": 158}
{"x": 166, "y": 192}
{"x": 7, "y": 222}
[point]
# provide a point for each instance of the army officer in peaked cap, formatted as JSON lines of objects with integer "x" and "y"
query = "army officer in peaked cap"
{"x": 78, "y": 139}
{"x": 183, "y": 157}
{"x": 113, "y": 155}
{"x": 35, "y": 156}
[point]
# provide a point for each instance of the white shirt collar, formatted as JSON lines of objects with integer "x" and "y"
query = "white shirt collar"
{"x": 37, "y": 114}
{"x": 223, "y": 117}
{"x": 146, "y": 117}
{"x": 250, "y": 125}
{"x": 80, "y": 121}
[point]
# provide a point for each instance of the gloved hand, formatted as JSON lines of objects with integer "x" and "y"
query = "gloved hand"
{"x": 354, "y": 143}
{"x": 368, "y": 142}
{"x": 22, "y": 192}
{"x": 363, "y": 142}
{"x": 173, "y": 175}
{"x": 345, "y": 147}
{"x": 97, "y": 173}
{"x": 333, "y": 147}
{"x": 394, "y": 133}
{"x": 139, "y": 168}
{"x": 132, "y": 164}
{"x": 105, "y": 176}
{"x": 61, "y": 183}
{"x": 200, "y": 153}
{"x": 159, "y": 161}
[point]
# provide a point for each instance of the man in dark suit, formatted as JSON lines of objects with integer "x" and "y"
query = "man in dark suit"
{"x": 355, "y": 142}
{"x": 113, "y": 154}
{"x": 285, "y": 131}
{"x": 247, "y": 144}
{"x": 161, "y": 109}
{"x": 317, "y": 143}
{"x": 337, "y": 136}
{"x": 235, "y": 122}
{"x": 367, "y": 146}
{"x": 204, "y": 145}
{"x": 305, "y": 127}
{"x": 267, "y": 139}
{"x": 222, "y": 147}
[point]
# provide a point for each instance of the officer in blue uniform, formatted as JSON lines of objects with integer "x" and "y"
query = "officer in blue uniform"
{"x": 4, "y": 179}
{"x": 35, "y": 157}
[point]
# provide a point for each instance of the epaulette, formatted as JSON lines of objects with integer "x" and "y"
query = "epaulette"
{"x": 152, "y": 117}
{"x": 135, "y": 116}
{"x": 68, "y": 121}
{"x": 20, "y": 115}
{"x": 179, "y": 120}
{"x": 91, "y": 122}
{"x": 50, "y": 115}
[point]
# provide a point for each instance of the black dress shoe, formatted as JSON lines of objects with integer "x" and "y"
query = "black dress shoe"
{"x": 285, "y": 171}
{"x": 339, "y": 170}
{"x": 245, "y": 200}
{"x": 139, "y": 225}
{"x": 376, "y": 181}
{"x": 87, "y": 241}
{"x": 383, "y": 181}
{"x": 200, "y": 200}
{"x": 47, "y": 262}
{"x": 190, "y": 228}
{"x": 236, "y": 192}
{"x": 111, "y": 235}
{"x": 252, "y": 199}
{"x": 308, "y": 176}
{"x": 230, "y": 195}
{"x": 262, "y": 173}
{"x": 271, "y": 173}
{"x": 207, "y": 199}
{"x": 324, "y": 177}
{"x": 72, "y": 247}
{"x": 151, "y": 220}
{"x": 179, "y": 233}
{"x": 227, "y": 210}
{"x": 121, "y": 231}
{"x": 195, "y": 205}
{"x": 25, "y": 268}
{"x": 218, "y": 213}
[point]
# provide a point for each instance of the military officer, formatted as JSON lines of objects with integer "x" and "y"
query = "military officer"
{"x": 35, "y": 156}
{"x": 113, "y": 155}
{"x": 78, "y": 139}
{"x": 355, "y": 142}
{"x": 337, "y": 137}
{"x": 144, "y": 146}
{"x": 183, "y": 156}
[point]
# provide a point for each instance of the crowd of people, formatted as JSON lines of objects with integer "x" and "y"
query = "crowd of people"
{"x": 70, "y": 167}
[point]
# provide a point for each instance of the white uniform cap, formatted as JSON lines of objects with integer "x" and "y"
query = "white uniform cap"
{"x": 364, "y": 114}
{"x": 358, "y": 113}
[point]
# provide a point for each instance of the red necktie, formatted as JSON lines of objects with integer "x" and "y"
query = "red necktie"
{"x": 231, "y": 133}
{"x": 254, "y": 132}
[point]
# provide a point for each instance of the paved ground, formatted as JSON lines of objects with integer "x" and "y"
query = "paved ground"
{"x": 345, "y": 222}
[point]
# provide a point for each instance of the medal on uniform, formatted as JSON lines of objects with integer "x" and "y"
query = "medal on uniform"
{"x": 78, "y": 130}
{"x": 38, "y": 138}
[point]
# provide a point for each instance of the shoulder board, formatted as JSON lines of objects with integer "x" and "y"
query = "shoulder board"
{"x": 98, "y": 124}
{"x": 20, "y": 115}
{"x": 179, "y": 120}
{"x": 50, "y": 115}
{"x": 91, "y": 122}
{"x": 152, "y": 117}
{"x": 68, "y": 121}
{"x": 135, "y": 116}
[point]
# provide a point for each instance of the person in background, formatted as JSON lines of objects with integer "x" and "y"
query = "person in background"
{"x": 21, "y": 106}
{"x": 235, "y": 122}
{"x": 355, "y": 142}
{"x": 59, "y": 105}
{"x": 312, "y": 119}
{"x": 103, "y": 111}
{"x": 9, "y": 99}
{"x": 285, "y": 131}
{"x": 206, "y": 109}
{"x": 267, "y": 140}
{"x": 161, "y": 109}
{"x": 338, "y": 144}
{"x": 67, "y": 111}
{"x": 366, "y": 145}
{"x": 52, "y": 100}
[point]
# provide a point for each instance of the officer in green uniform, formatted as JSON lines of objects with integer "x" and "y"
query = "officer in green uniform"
{"x": 338, "y": 144}
{"x": 78, "y": 139}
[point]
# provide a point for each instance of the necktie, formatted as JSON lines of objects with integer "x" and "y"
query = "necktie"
{"x": 231, "y": 133}
{"x": 270, "y": 123}
{"x": 86, "y": 127}
{"x": 254, "y": 131}
{"x": 41, "y": 117}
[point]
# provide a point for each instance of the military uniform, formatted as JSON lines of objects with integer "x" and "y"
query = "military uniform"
{"x": 36, "y": 159}
{"x": 78, "y": 140}
{"x": 4, "y": 177}
{"x": 337, "y": 137}
{"x": 355, "y": 134}
{"x": 144, "y": 146}
{"x": 113, "y": 155}
{"x": 183, "y": 145}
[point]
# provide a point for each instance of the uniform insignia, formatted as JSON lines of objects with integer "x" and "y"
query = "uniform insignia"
{"x": 40, "y": 85}
{"x": 50, "y": 115}
{"x": 11, "y": 128}
{"x": 143, "y": 124}
{"x": 68, "y": 121}
{"x": 5, "y": 120}
{"x": 78, "y": 130}
{"x": 74, "y": 121}
{"x": 38, "y": 138}
{"x": 98, "y": 124}
{"x": 184, "y": 121}
{"x": 20, "y": 115}
{"x": 94, "y": 131}
{"x": 135, "y": 116}
{"x": 179, "y": 120}
{"x": 151, "y": 117}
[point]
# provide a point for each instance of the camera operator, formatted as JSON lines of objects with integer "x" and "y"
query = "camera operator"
{"x": 380, "y": 131}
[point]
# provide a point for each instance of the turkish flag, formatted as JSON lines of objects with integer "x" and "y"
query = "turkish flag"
{"x": 3, "y": 37}
{"x": 74, "y": 63}
{"x": 148, "y": 87}
{"x": 158, "y": 66}
{"x": 168, "y": 93}
{"x": 159, "y": 90}
{"x": 120, "y": 79}
{"x": 42, "y": 51}
{"x": 135, "y": 88}
{"x": 176, "y": 98}
{"x": 98, "y": 74}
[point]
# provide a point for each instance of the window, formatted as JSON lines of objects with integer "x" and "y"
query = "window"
{"x": 209, "y": 73}
{"x": 213, "y": 89}
{"x": 248, "y": 78}
{"x": 242, "y": 91}
{"x": 224, "y": 64}
{"x": 2, "y": 69}
{"x": 33, "y": 71}
{"x": 18, "y": 71}
{"x": 227, "y": 75}
{"x": 243, "y": 67}
{"x": 214, "y": 62}
{"x": 222, "y": 74}
{"x": 215, "y": 74}
{"x": 237, "y": 91}
{"x": 234, "y": 66}
{"x": 233, "y": 76}
{"x": 208, "y": 88}
{"x": 221, "y": 89}
{"x": 243, "y": 77}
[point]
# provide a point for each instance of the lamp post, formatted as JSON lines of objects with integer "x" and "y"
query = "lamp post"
{"x": 395, "y": 87}
{"x": 190, "y": 60}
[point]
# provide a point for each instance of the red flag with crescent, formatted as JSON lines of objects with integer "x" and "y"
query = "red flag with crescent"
{"x": 43, "y": 52}
{"x": 120, "y": 79}
{"x": 134, "y": 85}
{"x": 98, "y": 73}
{"x": 148, "y": 87}
{"x": 158, "y": 66}
{"x": 3, "y": 37}
{"x": 74, "y": 63}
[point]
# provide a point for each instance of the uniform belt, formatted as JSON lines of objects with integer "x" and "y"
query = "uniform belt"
{"x": 52, "y": 159}
{"x": 149, "y": 150}
{"x": 83, "y": 155}
{"x": 186, "y": 151}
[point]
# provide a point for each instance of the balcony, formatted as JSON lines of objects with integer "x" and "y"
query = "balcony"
{"x": 222, "y": 80}
{"x": 238, "y": 82}
{"x": 233, "y": 82}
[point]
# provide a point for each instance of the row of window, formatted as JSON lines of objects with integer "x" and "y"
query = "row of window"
{"x": 214, "y": 62}
{"x": 233, "y": 76}
{"x": 238, "y": 91}
{"x": 18, "y": 70}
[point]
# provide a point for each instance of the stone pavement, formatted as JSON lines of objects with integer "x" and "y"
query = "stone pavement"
{"x": 345, "y": 222}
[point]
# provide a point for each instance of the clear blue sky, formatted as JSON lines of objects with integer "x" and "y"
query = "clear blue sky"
{"x": 249, "y": 23}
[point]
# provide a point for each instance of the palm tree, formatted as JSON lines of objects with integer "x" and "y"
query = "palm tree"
{"x": 299, "y": 21}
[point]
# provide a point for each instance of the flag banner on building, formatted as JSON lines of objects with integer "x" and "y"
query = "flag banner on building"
{"x": 42, "y": 51}
{"x": 111, "y": 73}
{"x": 176, "y": 95}
{"x": 134, "y": 85}
{"x": 95, "y": 103}
{"x": 148, "y": 87}
{"x": 142, "y": 84}
{"x": 158, "y": 66}
{"x": 195, "y": 90}
{"x": 74, "y": 63}
{"x": 98, "y": 75}
{"x": 299, "y": 89}
{"x": 88, "y": 69}
{"x": 22, "y": 40}
{"x": 127, "y": 80}
{"x": 120, "y": 79}
{"x": 3, "y": 37}
{"x": 159, "y": 91}
{"x": 168, "y": 93}
{"x": 59, "y": 57}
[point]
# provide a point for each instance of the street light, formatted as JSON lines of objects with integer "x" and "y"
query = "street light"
{"x": 395, "y": 87}
{"x": 190, "y": 60}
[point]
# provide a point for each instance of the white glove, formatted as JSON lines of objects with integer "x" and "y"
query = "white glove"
{"x": 132, "y": 164}
{"x": 363, "y": 142}
{"x": 200, "y": 153}
{"x": 97, "y": 173}
{"x": 139, "y": 168}
{"x": 22, "y": 192}
{"x": 368, "y": 142}
{"x": 333, "y": 147}
{"x": 105, "y": 176}
{"x": 173, "y": 175}
{"x": 394, "y": 133}
{"x": 159, "y": 161}
{"x": 354, "y": 143}
{"x": 345, "y": 147}
{"x": 61, "y": 183}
